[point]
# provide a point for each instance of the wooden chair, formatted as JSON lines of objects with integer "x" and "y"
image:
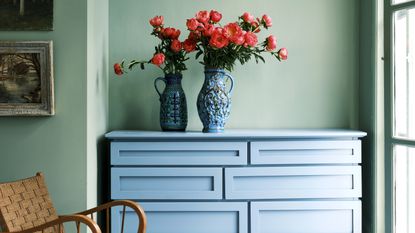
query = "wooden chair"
{"x": 25, "y": 207}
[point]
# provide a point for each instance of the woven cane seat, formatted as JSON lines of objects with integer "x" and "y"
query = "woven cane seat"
{"x": 25, "y": 204}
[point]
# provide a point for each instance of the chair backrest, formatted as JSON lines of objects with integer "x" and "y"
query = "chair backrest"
{"x": 25, "y": 203}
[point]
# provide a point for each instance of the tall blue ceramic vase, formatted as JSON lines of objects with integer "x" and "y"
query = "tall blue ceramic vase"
{"x": 173, "y": 106}
{"x": 214, "y": 100}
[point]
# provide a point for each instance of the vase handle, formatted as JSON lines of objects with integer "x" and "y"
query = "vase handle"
{"x": 155, "y": 85}
{"x": 230, "y": 78}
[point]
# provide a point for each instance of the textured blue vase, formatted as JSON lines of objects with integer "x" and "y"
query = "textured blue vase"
{"x": 173, "y": 107}
{"x": 214, "y": 100}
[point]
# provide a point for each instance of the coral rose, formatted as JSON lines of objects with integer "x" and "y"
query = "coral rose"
{"x": 203, "y": 16}
{"x": 215, "y": 16}
{"x": 218, "y": 40}
{"x": 208, "y": 30}
{"x": 247, "y": 17}
{"x": 195, "y": 35}
{"x": 176, "y": 46}
{"x": 283, "y": 54}
{"x": 192, "y": 24}
{"x": 250, "y": 39}
{"x": 118, "y": 69}
{"x": 157, "y": 21}
{"x": 267, "y": 21}
{"x": 189, "y": 45}
{"x": 171, "y": 33}
{"x": 158, "y": 59}
{"x": 271, "y": 43}
{"x": 234, "y": 33}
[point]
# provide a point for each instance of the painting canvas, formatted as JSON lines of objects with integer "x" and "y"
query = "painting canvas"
{"x": 26, "y": 15}
{"x": 26, "y": 82}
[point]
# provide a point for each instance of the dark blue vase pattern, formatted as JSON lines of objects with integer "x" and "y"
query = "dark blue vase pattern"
{"x": 173, "y": 106}
{"x": 214, "y": 100}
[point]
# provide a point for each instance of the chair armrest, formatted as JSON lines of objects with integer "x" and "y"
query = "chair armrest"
{"x": 133, "y": 205}
{"x": 63, "y": 219}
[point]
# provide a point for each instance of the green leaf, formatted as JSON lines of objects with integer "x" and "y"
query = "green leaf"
{"x": 142, "y": 66}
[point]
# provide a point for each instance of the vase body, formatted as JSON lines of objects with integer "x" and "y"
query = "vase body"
{"x": 173, "y": 106}
{"x": 214, "y": 100}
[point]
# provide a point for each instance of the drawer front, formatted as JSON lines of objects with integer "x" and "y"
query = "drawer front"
{"x": 195, "y": 217}
{"x": 166, "y": 183}
{"x": 305, "y": 152}
{"x": 293, "y": 182}
{"x": 306, "y": 217}
{"x": 179, "y": 153}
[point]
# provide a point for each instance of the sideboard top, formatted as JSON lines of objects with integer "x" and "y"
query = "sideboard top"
{"x": 238, "y": 134}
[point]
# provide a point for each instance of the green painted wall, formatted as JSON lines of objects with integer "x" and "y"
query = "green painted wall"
{"x": 316, "y": 87}
{"x": 55, "y": 145}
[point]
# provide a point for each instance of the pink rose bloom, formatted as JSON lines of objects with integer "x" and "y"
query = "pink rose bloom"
{"x": 192, "y": 24}
{"x": 250, "y": 39}
{"x": 158, "y": 59}
{"x": 247, "y": 17}
{"x": 215, "y": 16}
{"x": 176, "y": 46}
{"x": 118, "y": 69}
{"x": 283, "y": 54}
{"x": 208, "y": 30}
{"x": 234, "y": 33}
{"x": 189, "y": 45}
{"x": 267, "y": 20}
{"x": 203, "y": 16}
{"x": 171, "y": 33}
{"x": 271, "y": 43}
{"x": 218, "y": 40}
{"x": 157, "y": 21}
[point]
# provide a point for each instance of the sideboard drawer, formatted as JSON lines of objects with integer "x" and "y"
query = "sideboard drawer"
{"x": 166, "y": 183}
{"x": 306, "y": 217}
{"x": 305, "y": 152}
{"x": 178, "y": 153}
{"x": 193, "y": 217}
{"x": 293, "y": 182}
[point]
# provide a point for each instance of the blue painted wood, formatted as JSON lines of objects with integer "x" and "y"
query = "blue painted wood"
{"x": 293, "y": 182}
{"x": 310, "y": 177}
{"x": 166, "y": 183}
{"x": 305, "y": 152}
{"x": 193, "y": 217}
{"x": 179, "y": 153}
{"x": 306, "y": 217}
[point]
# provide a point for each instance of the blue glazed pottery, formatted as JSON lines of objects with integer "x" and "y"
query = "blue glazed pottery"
{"x": 173, "y": 107}
{"x": 214, "y": 100}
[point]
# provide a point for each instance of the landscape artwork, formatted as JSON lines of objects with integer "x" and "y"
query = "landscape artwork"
{"x": 26, "y": 85}
{"x": 16, "y": 15}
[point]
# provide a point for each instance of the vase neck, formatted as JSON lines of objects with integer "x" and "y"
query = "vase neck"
{"x": 173, "y": 78}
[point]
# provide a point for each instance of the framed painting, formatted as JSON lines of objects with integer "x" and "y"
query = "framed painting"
{"x": 19, "y": 15}
{"x": 26, "y": 78}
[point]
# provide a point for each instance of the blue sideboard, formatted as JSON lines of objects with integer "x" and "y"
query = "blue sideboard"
{"x": 240, "y": 181}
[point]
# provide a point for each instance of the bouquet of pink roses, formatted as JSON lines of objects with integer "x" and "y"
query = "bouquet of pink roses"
{"x": 222, "y": 46}
{"x": 169, "y": 55}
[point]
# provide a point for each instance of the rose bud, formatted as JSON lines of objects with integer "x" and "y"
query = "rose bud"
{"x": 267, "y": 21}
{"x": 271, "y": 43}
{"x": 118, "y": 69}
{"x": 255, "y": 26}
{"x": 158, "y": 59}
{"x": 247, "y": 17}
{"x": 157, "y": 21}
{"x": 176, "y": 46}
{"x": 215, "y": 16}
{"x": 283, "y": 54}
{"x": 203, "y": 16}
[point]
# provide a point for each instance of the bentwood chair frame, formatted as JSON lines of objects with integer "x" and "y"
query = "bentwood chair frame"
{"x": 25, "y": 207}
